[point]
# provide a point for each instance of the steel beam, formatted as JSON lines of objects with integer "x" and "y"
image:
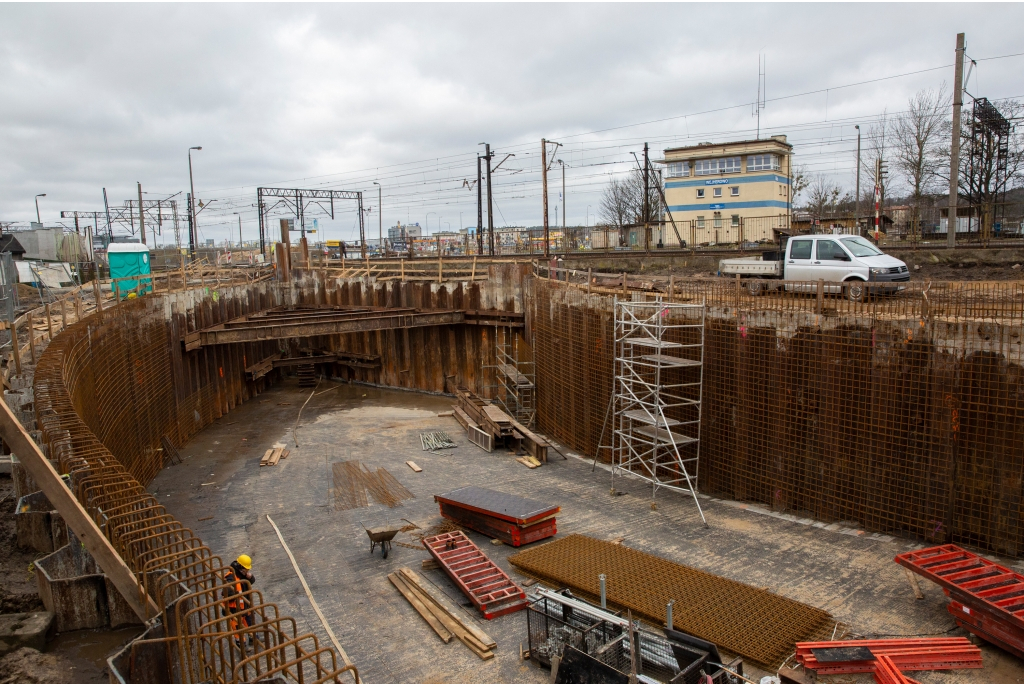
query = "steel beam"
{"x": 255, "y": 330}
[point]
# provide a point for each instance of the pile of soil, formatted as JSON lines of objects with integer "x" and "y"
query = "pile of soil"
{"x": 18, "y": 590}
{"x": 27, "y": 665}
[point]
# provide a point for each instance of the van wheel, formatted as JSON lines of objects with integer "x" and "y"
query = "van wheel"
{"x": 856, "y": 291}
{"x": 755, "y": 287}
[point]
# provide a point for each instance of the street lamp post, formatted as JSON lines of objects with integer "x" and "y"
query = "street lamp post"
{"x": 380, "y": 220}
{"x": 192, "y": 205}
{"x": 38, "y": 220}
{"x": 856, "y": 208}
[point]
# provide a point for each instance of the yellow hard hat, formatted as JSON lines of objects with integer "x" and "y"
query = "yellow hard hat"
{"x": 245, "y": 561}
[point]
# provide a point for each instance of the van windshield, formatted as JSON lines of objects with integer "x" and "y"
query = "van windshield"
{"x": 860, "y": 247}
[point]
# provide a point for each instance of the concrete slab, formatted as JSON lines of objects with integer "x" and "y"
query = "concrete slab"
{"x": 25, "y": 630}
{"x": 851, "y": 576}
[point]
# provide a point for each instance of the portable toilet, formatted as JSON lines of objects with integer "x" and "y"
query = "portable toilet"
{"x": 128, "y": 259}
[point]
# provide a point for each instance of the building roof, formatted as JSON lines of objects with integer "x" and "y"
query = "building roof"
{"x": 8, "y": 243}
{"x": 707, "y": 147}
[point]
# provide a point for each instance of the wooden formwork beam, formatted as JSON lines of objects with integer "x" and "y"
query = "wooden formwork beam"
{"x": 74, "y": 514}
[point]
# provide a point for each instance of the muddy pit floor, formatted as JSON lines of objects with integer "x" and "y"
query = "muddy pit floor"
{"x": 848, "y": 574}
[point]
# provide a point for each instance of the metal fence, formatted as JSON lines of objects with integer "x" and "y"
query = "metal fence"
{"x": 903, "y": 413}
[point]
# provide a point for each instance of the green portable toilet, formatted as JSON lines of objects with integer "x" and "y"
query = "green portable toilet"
{"x": 128, "y": 259}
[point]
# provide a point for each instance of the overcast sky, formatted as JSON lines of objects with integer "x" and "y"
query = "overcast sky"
{"x": 338, "y": 96}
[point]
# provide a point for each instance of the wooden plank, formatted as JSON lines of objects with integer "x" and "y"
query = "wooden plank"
{"x": 285, "y": 453}
{"x": 266, "y": 457}
{"x": 424, "y": 588}
{"x": 62, "y": 499}
{"x": 463, "y": 418}
{"x": 412, "y": 465}
{"x": 275, "y": 457}
{"x": 421, "y": 609}
{"x": 526, "y": 462}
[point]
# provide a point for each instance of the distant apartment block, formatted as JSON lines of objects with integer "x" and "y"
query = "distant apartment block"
{"x": 725, "y": 192}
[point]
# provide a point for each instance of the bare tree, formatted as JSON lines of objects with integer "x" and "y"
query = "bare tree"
{"x": 623, "y": 201}
{"x": 798, "y": 183}
{"x": 916, "y": 145}
{"x": 824, "y": 195}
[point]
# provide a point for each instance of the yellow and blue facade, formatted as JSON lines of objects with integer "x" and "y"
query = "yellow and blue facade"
{"x": 721, "y": 193}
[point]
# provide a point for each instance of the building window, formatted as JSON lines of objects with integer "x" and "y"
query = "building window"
{"x": 718, "y": 220}
{"x": 763, "y": 163}
{"x": 711, "y": 167}
{"x": 700, "y": 192}
{"x": 678, "y": 169}
{"x": 735, "y": 220}
{"x": 734, "y": 191}
{"x": 700, "y": 222}
{"x": 718, "y": 192}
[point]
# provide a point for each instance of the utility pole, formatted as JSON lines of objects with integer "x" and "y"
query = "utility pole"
{"x": 479, "y": 210}
{"x": 647, "y": 203}
{"x": 106, "y": 208}
{"x": 490, "y": 201}
{"x": 142, "y": 219}
{"x": 878, "y": 195}
{"x": 380, "y": 221}
{"x": 239, "y": 231}
{"x": 192, "y": 224}
{"x": 856, "y": 209}
{"x": 954, "y": 148}
{"x": 544, "y": 184}
{"x": 562, "y": 164}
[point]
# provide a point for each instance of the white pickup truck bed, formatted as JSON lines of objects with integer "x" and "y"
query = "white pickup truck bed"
{"x": 750, "y": 266}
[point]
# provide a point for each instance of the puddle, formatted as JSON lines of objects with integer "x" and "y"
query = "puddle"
{"x": 87, "y": 650}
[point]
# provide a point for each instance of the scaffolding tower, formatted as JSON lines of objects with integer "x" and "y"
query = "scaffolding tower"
{"x": 515, "y": 389}
{"x": 659, "y": 372}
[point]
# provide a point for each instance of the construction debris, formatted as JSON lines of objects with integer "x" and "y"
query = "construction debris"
{"x": 412, "y": 465}
{"x": 439, "y": 440}
{"x": 509, "y": 518}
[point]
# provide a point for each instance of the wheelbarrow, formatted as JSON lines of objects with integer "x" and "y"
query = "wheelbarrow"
{"x": 381, "y": 535}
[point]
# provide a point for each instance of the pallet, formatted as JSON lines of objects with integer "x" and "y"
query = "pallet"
{"x": 484, "y": 584}
{"x": 986, "y": 599}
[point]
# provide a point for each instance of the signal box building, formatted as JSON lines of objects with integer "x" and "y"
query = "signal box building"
{"x": 728, "y": 192}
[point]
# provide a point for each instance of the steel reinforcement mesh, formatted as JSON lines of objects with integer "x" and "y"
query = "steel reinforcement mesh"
{"x": 901, "y": 414}
{"x": 754, "y": 623}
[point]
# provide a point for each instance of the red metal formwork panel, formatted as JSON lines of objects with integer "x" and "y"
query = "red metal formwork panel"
{"x": 980, "y": 585}
{"x": 487, "y": 586}
{"x": 908, "y": 654}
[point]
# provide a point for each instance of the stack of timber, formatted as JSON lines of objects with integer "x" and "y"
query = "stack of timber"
{"x": 445, "y": 621}
{"x": 512, "y": 519}
{"x": 274, "y": 455}
{"x": 480, "y": 418}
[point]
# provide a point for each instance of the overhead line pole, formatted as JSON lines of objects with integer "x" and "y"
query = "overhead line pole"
{"x": 647, "y": 202}
{"x": 856, "y": 209}
{"x": 479, "y": 210}
{"x": 544, "y": 192}
{"x": 490, "y": 200}
{"x": 142, "y": 219}
{"x": 954, "y": 148}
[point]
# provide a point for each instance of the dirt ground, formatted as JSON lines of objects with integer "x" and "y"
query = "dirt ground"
{"x": 925, "y": 265}
{"x": 75, "y": 657}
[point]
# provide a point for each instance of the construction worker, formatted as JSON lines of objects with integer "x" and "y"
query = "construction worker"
{"x": 239, "y": 580}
